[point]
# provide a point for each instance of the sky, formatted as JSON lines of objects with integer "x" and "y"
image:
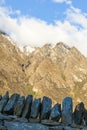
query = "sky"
{"x": 38, "y": 22}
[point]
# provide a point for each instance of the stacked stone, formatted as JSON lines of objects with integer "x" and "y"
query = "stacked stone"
{"x": 20, "y": 109}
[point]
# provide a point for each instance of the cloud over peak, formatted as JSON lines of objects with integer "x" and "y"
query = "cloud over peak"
{"x": 35, "y": 32}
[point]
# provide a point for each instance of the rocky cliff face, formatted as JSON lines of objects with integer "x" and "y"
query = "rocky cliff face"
{"x": 12, "y": 77}
{"x": 56, "y": 72}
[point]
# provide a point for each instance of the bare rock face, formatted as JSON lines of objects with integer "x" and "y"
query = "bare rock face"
{"x": 55, "y": 71}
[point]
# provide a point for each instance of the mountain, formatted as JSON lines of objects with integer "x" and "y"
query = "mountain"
{"x": 56, "y": 72}
{"x": 12, "y": 76}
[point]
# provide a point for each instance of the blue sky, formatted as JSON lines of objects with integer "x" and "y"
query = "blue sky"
{"x": 37, "y": 22}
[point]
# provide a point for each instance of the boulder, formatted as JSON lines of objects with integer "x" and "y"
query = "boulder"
{"x": 24, "y": 126}
{"x": 35, "y": 108}
{"x": 46, "y": 108}
{"x": 27, "y": 107}
{"x": 56, "y": 112}
{"x": 67, "y": 107}
{"x": 4, "y": 101}
{"x": 78, "y": 114}
{"x": 18, "y": 108}
{"x": 9, "y": 108}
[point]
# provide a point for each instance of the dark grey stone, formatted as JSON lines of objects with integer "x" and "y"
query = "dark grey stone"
{"x": 56, "y": 112}
{"x": 24, "y": 126}
{"x": 0, "y": 97}
{"x": 27, "y": 107}
{"x": 6, "y": 117}
{"x": 46, "y": 108}
{"x": 9, "y": 108}
{"x": 67, "y": 107}
{"x": 35, "y": 108}
{"x": 21, "y": 120}
{"x": 79, "y": 113}
{"x": 18, "y": 108}
{"x": 4, "y": 101}
{"x": 2, "y": 127}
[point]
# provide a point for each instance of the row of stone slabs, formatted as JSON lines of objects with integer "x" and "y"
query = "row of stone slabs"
{"x": 37, "y": 110}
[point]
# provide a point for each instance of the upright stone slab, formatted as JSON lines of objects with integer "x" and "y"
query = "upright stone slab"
{"x": 56, "y": 112}
{"x": 27, "y": 107}
{"x": 46, "y": 108}
{"x": 79, "y": 113}
{"x": 35, "y": 108}
{"x": 0, "y": 97}
{"x": 18, "y": 108}
{"x": 4, "y": 101}
{"x": 67, "y": 106}
{"x": 9, "y": 108}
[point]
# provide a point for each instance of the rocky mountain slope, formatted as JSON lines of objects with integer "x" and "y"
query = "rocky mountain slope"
{"x": 12, "y": 76}
{"x": 56, "y": 72}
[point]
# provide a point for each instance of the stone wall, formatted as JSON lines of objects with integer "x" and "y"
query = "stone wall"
{"x": 28, "y": 113}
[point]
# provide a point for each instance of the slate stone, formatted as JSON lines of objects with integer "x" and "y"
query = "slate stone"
{"x": 67, "y": 111}
{"x": 18, "y": 108}
{"x": 6, "y": 117}
{"x": 4, "y": 101}
{"x": 2, "y": 127}
{"x": 79, "y": 113}
{"x": 56, "y": 112}
{"x": 27, "y": 107}
{"x": 21, "y": 120}
{"x": 24, "y": 126}
{"x": 0, "y": 97}
{"x": 46, "y": 108}
{"x": 9, "y": 108}
{"x": 35, "y": 108}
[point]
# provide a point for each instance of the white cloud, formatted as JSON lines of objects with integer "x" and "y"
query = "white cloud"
{"x": 62, "y": 1}
{"x": 35, "y": 32}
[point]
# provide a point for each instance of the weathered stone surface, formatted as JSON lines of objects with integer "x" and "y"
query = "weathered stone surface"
{"x": 3, "y": 101}
{"x": 0, "y": 97}
{"x": 9, "y": 108}
{"x": 79, "y": 114}
{"x": 21, "y": 120}
{"x": 32, "y": 120}
{"x": 50, "y": 122}
{"x": 56, "y": 112}
{"x": 5, "y": 117}
{"x": 27, "y": 107}
{"x": 2, "y": 127}
{"x": 19, "y": 106}
{"x": 46, "y": 108}
{"x": 35, "y": 108}
{"x": 67, "y": 111}
{"x": 62, "y": 128}
{"x": 24, "y": 126}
